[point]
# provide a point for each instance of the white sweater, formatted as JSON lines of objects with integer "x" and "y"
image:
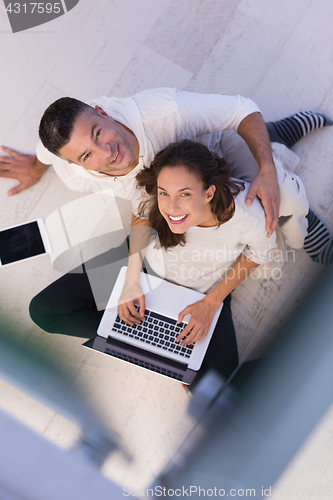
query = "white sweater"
{"x": 210, "y": 252}
{"x": 157, "y": 117}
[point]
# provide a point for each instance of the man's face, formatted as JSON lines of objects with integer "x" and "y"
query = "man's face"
{"x": 99, "y": 143}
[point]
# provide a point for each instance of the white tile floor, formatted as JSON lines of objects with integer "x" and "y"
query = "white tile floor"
{"x": 275, "y": 51}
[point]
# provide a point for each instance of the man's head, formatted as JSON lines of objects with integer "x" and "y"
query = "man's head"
{"x": 88, "y": 137}
{"x": 58, "y": 120}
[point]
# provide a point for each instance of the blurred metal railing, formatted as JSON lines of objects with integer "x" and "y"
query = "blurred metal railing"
{"x": 32, "y": 467}
{"x": 247, "y": 430}
{"x": 246, "y": 437}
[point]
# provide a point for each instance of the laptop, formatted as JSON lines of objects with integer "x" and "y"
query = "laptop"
{"x": 151, "y": 345}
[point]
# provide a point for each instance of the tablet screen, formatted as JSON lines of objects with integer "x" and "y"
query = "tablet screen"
{"x": 20, "y": 242}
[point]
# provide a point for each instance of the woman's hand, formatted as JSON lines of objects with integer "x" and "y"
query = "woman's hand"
{"x": 131, "y": 292}
{"x": 202, "y": 313}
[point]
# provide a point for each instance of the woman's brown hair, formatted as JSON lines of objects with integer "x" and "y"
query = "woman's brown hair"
{"x": 208, "y": 166}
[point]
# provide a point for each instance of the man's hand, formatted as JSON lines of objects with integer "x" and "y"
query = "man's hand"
{"x": 202, "y": 314}
{"x": 266, "y": 187}
{"x": 254, "y": 132}
{"x": 25, "y": 168}
{"x": 132, "y": 292}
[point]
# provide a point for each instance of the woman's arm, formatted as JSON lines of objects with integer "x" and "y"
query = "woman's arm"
{"x": 202, "y": 312}
{"x": 140, "y": 232}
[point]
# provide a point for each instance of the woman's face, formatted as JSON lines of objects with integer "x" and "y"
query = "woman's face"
{"x": 182, "y": 199}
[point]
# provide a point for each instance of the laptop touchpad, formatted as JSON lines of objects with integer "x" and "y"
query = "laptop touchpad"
{"x": 166, "y": 297}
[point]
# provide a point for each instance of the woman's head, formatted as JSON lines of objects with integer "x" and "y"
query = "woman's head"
{"x": 189, "y": 186}
{"x": 183, "y": 200}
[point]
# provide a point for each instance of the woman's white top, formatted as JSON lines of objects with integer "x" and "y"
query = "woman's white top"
{"x": 210, "y": 252}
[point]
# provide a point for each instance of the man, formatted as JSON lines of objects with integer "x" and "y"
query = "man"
{"x": 105, "y": 144}
{"x": 150, "y": 120}
{"x": 142, "y": 125}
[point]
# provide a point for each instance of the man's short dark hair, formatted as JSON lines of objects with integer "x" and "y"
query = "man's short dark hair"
{"x": 58, "y": 120}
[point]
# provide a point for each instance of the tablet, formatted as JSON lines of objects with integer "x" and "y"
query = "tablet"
{"x": 23, "y": 241}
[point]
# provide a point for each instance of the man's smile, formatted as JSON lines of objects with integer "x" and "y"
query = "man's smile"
{"x": 116, "y": 155}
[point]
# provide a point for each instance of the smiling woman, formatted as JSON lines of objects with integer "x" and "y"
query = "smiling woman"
{"x": 187, "y": 177}
{"x": 188, "y": 197}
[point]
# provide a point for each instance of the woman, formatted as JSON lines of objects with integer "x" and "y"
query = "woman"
{"x": 210, "y": 240}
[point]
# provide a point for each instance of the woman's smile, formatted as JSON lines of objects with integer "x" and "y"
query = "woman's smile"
{"x": 182, "y": 199}
{"x": 177, "y": 219}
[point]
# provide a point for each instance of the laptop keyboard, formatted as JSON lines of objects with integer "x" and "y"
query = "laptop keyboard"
{"x": 157, "y": 330}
